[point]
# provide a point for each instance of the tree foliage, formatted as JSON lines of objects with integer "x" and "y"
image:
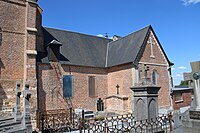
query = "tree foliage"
{"x": 184, "y": 83}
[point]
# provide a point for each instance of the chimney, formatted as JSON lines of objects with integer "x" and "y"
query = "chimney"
{"x": 116, "y": 37}
{"x": 106, "y": 36}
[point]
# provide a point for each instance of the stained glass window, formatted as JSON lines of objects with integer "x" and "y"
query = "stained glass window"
{"x": 67, "y": 86}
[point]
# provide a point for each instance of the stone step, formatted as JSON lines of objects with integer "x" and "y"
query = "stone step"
{"x": 6, "y": 119}
{"x": 10, "y": 124}
{"x": 15, "y": 129}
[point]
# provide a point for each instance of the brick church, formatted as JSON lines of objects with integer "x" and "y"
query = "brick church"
{"x": 67, "y": 69}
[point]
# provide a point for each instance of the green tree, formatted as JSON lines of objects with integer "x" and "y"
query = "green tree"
{"x": 184, "y": 83}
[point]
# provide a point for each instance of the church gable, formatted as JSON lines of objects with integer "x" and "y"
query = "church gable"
{"x": 153, "y": 52}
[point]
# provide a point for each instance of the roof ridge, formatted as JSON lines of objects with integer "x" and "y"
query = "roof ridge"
{"x": 132, "y": 33}
{"x": 77, "y": 33}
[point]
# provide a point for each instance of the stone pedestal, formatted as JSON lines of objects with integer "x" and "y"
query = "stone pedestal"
{"x": 145, "y": 101}
{"x": 17, "y": 114}
{"x": 26, "y": 113}
{"x": 192, "y": 119}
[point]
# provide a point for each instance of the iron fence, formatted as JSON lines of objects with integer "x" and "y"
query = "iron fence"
{"x": 68, "y": 121}
{"x": 126, "y": 124}
{"x": 58, "y": 121}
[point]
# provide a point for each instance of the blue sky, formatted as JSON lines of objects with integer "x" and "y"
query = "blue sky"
{"x": 176, "y": 23}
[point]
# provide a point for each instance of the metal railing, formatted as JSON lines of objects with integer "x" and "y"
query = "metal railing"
{"x": 68, "y": 121}
{"x": 58, "y": 120}
{"x": 125, "y": 124}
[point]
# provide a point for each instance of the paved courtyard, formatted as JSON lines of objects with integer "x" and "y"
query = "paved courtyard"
{"x": 185, "y": 130}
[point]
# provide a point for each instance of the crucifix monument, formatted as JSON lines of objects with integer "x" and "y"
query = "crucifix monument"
{"x": 192, "y": 120}
{"x": 145, "y": 97}
{"x": 195, "y": 108}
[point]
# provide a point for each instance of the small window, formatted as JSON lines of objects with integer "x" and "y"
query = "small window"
{"x": 67, "y": 86}
{"x": 154, "y": 77}
{"x": 92, "y": 87}
{"x": 178, "y": 97}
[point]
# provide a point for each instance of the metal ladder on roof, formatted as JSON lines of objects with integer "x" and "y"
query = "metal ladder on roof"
{"x": 57, "y": 67}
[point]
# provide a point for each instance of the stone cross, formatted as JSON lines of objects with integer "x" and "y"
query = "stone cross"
{"x": 27, "y": 95}
{"x": 117, "y": 88}
{"x": 196, "y": 76}
{"x": 17, "y": 108}
{"x": 151, "y": 43}
{"x": 145, "y": 70}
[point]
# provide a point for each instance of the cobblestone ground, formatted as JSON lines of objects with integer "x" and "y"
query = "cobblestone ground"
{"x": 186, "y": 130}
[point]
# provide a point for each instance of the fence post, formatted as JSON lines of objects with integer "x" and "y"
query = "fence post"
{"x": 170, "y": 121}
{"x": 42, "y": 124}
{"x": 70, "y": 114}
{"x": 81, "y": 121}
{"x": 105, "y": 126}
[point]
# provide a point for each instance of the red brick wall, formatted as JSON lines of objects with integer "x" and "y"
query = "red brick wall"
{"x": 49, "y": 80}
{"x": 186, "y": 99}
{"x": 122, "y": 76}
{"x": 16, "y": 64}
{"x": 12, "y": 17}
{"x": 158, "y": 63}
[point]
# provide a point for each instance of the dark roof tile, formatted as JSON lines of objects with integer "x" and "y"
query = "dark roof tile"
{"x": 86, "y": 50}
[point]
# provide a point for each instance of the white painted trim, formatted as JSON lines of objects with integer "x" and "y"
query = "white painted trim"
{"x": 31, "y": 29}
{"x": 156, "y": 64}
{"x": 31, "y": 52}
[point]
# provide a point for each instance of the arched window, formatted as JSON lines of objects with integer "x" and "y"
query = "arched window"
{"x": 155, "y": 77}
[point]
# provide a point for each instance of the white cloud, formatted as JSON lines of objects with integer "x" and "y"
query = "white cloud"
{"x": 100, "y": 35}
{"x": 188, "y": 2}
{"x": 182, "y": 67}
{"x": 179, "y": 75}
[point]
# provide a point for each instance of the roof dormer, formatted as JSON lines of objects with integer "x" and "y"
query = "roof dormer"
{"x": 53, "y": 50}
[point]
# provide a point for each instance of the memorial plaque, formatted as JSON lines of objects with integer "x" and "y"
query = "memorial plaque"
{"x": 194, "y": 115}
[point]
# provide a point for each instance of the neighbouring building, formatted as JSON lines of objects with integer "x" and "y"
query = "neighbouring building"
{"x": 67, "y": 69}
{"x": 187, "y": 77}
{"x": 182, "y": 96}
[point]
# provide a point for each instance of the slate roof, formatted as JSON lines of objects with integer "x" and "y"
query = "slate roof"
{"x": 77, "y": 49}
{"x": 126, "y": 49}
{"x": 86, "y": 50}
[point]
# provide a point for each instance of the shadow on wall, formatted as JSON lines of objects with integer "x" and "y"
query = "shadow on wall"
{"x": 41, "y": 93}
{"x": 2, "y": 92}
{"x": 1, "y": 66}
{"x": 41, "y": 97}
{"x": 2, "y": 96}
